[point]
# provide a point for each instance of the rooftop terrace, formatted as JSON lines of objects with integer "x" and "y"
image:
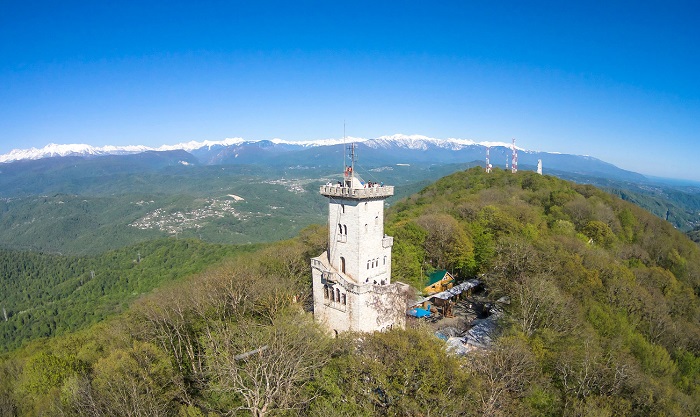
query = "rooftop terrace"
{"x": 375, "y": 191}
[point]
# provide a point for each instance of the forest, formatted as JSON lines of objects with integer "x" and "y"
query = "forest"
{"x": 604, "y": 320}
{"x": 43, "y": 295}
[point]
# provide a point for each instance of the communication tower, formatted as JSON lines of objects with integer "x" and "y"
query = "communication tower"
{"x": 488, "y": 160}
{"x": 539, "y": 166}
{"x": 514, "y": 164}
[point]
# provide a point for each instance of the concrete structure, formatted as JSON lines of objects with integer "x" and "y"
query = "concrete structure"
{"x": 352, "y": 286}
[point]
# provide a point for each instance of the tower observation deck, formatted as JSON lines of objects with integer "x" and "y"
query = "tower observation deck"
{"x": 342, "y": 191}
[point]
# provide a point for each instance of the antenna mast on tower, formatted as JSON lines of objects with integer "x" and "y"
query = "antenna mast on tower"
{"x": 350, "y": 169}
{"x": 514, "y": 163}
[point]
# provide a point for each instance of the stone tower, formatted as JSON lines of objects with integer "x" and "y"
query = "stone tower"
{"x": 352, "y": 286}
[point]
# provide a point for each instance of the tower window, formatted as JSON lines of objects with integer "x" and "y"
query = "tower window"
{"x": 342, "y": 208}
{"x": 337, "y": 294}
{"x": 345, "y": 301}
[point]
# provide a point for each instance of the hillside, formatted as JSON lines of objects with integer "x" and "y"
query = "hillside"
{"x": 694, "y": 235}
{"x": 47, "y": 295}
{"x": 82, "y": 206}
{"x": 604, "y": 319}
{"x": 80, "y": 200}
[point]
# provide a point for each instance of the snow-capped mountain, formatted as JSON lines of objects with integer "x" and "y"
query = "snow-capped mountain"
{"x": 412, "y": 142}
{"x": 79, "y": 149}
{"x": 420, "y": 142}
{"x": 383, "y": 150}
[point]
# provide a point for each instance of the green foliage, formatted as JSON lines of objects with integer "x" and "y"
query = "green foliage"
{"x": 694, "y": 235}
{"x": 599, "y": 233}
{"x": 408, "y": 254}
{"x": 138, "y": 380}
{"x": 609, "y": 328}
{"x": 403, "y": 372}
{"x": 45, "y": 370}
{"x": 688, "y": 365}
{"x": 44, "y": 295}
{"x": 654, "y": 359}
{"x": 581, "y": 269}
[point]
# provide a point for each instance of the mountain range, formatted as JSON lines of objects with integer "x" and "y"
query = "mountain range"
{"x": 83, "y": 199}
{"x": 385, "y": 150}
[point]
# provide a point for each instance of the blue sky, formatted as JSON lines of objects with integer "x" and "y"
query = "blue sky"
{"x": 616, "y": 80}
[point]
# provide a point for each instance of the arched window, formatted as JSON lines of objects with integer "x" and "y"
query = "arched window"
{"x": 342, "y": 264}
{"x": 340, "y": 228}
{"x": 337, "y": 294}
{"x": 345, "y": 229}
{"x": 342, "y": 208}
{"x": 384, "y": 259}
{"x": 368, "y": 264}
{"x": 376, "y": 221}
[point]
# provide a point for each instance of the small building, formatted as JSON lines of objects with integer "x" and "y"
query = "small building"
{"x": 439, "y": 281}
{"x": 442, "y": 301}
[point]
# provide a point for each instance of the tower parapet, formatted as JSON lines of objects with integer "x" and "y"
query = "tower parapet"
{"x": 375, "y": 191}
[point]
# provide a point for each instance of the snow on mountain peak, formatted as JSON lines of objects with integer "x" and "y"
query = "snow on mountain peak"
{"x": 421, "y": 142}
{"x": 52, "y": 150}
{"x": 192, "y": 145}
{"x": 320, "y": 142}
{"x": 415, "y": 142}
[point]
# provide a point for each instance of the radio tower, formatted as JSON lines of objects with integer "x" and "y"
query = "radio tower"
{"x": 514, "y": 164}
{"x": 488, "y": 160}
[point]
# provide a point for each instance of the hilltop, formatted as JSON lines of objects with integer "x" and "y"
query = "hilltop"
{"x": 603, "y": 319}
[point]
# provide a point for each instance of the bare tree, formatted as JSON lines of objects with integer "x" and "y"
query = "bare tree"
{"x": 515, "y": 260}
{"x": 447, "y": 244}
{"x": 540, "y": 304}
{"x": 264, "y": 368}
{"x": 584, "y": 372}
{"x": 507, "y": 370}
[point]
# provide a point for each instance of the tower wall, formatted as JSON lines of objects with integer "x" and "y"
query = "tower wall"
{"x": 356, "y": 234}
{"x": 352, "y": 287}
